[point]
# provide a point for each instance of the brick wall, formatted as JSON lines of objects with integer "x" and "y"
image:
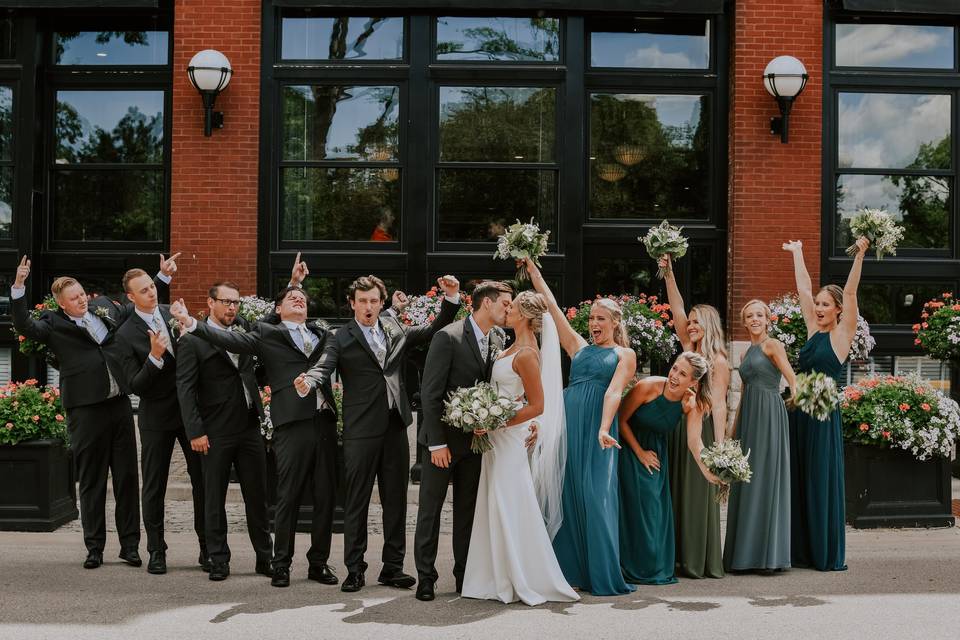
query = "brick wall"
{"x": 213, "y": 209}
{"x": 774, "y": 191}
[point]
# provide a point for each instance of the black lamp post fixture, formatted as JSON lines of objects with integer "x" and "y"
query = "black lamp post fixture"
{"x": 785, "y": 77}
{"x": 210, "y": 73}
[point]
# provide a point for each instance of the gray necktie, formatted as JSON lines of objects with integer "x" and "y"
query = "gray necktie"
{"x": 307, "y": 342}
{"x": 379, "y": 348}
{"x": 160, "y": 328}
{"x": 484, "y": 347}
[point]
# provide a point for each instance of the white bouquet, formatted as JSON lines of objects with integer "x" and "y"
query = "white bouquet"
{"x": 521, "y": 241}
{"x": 817, "y": 395}
{"x": 662, "y": 240}
{"x": 863, "y": 343}
{"x": 727, "y": 461}
{"x": 879, "y": 228}
{"x": 479, "y": 408}
{"x": 254, "y": 309}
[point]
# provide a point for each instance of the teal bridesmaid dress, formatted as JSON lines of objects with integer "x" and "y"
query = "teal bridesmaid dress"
{"x": 647, "y": 545}
{"x": 818, "y": 537}
{"x": 588, "y": 544}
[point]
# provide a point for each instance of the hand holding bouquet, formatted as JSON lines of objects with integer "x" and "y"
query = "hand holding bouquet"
{"x": 662, "y": 240}
{"x": 817, "y": 395}
{"x": 727, "y": 461}
{"x": 479, "y": 409}
{"x": 879, "y": 228}
{"x": 521, "y": 241}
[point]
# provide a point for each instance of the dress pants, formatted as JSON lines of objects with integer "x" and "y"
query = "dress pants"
{"x": 102, "y": 440}
{"x": 464, "y": 469}
{"x": 306, "y": 453}
{"x": 156, "y": 449}
{"x": 385, "y": 458}
{"x": 245, "y": 450}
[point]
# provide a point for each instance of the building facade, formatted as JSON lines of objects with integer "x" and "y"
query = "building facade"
{"x": 396, "y": 137}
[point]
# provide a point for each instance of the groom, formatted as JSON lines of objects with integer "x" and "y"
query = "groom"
{"x": 460, "y": 355}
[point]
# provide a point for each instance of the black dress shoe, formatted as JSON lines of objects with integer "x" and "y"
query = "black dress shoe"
{"x": 263, "y": 568}
{"x": 397, "y": 579}
{"x": 94, "y": 560}
{"x": 354, "y": 582}
{"x": 323, "y": 574}
{"x": 281, "y": 577}
{"x": 425, "y": 591}
{"x": 219, "y": 571}
{"x": 158, "y": 562}
{"x": 204, "y": 559}
{"x": 131, "y": 557}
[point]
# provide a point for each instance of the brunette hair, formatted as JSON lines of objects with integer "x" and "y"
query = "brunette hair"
{"x": 490, "y": 290}
{"x": 214, "y": 290}
{"x": 367, "y": 283}
{"x": 835, "y": 292}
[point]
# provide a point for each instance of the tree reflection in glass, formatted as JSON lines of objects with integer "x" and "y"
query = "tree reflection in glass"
{"x": 503, "y": 39}
{"x": 6, "y": 160}
{"x": 341, "y": 38}
{"x": 649, "y": 156}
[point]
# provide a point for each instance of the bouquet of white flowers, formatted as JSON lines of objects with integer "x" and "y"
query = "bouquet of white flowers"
{"x": 479, "y": 408}
{"x": 817, "y": 395}
{"x": 521, "y": 241}
{"x": 727, "y": 461}
{"x": 863, "y": 343}
{"x": 254, "y": 309}
{"x": 879, "y": 228}
{"x": 662, "y": 240}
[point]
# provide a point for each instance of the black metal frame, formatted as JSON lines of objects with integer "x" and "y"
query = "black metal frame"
{"x": 917, "y": 265}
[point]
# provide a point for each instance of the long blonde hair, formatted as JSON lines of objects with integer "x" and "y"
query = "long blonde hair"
{"x": 701, "y": 373}
{"x": 620, "y": 336}
{"x": 713, "y": 343}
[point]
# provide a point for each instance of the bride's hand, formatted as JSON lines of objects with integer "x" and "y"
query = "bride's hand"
{"x": 607, "y": 441}
{"x": 531, "y": 440}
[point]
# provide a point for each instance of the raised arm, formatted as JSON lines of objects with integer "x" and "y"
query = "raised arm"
{"x": 694, "y": 439}
{"x": 22, "y": 322}
{"x": 448, "y": 313}
{"x": 626, "y": 368}
{"x": 842, "y": 337}
{"x": 804, "y": 286}
{"x": 168, "y": 267}
{"x": 719, "y": 384}
{"x": 233, "y": 341}
{"x": 570, "y": 340}
{"x": 677, "y": 310}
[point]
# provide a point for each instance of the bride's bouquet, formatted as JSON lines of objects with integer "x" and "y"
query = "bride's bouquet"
{"x": 817, "y": 395}
{"x": 729, "y": 463}
{"x": 479, "y": 408}
{"x": 879, "y": 228}
{"x": 521, "y": 241}
{"x": 662, "y": 240}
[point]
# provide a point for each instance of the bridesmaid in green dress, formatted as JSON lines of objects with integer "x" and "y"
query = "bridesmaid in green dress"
{"x": 696, "y": 512}
{"x": 758, "y": 516}
{"x": 816, "y": 446}
{"x": 648, "y": 416}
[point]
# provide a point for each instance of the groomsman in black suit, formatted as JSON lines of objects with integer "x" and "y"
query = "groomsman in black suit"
{"x": 82, "y": 335}
{"x": 305, "y": 429}
{"x": 221, "y": 407}
{"x": 150, "y": 371}
{"x": 368, "y": 352}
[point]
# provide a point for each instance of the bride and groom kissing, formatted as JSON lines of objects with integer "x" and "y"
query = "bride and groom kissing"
{"x": 506, "y": 502}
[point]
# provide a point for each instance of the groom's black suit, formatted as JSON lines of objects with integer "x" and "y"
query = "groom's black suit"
{"x": 454, "y": 361}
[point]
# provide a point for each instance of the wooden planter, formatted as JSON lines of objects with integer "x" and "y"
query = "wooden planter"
{"x": 37, "y": 490}
{"x": 891, "y": 488}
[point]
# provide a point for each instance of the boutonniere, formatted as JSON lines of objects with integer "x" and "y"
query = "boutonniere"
{"x": 174, "y": 326}
{"x": 391, "y": 331}
{"x": 496, "y": 343}
{"x": 322, "y": 325}
{"x": 102, "y": 313}
{"x": 235, "y": 328}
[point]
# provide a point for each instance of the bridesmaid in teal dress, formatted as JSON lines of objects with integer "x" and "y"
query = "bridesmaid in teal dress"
{"x": 758, "y": 516}
{"x": 816, "y": 446}
{"x": 588, "y": 544}
{"x": 648, "y": 417}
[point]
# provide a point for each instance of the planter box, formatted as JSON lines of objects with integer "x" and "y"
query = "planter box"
{"x": 37, "y": 490}
{"x": 891, "y": 488}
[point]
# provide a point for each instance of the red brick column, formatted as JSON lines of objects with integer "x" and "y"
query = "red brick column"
{"x": 213, "y": 207}
{"x": 774, "y": 192}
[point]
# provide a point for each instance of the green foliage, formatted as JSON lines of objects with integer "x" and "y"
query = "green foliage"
{"x": 938, "y": 332}
{"x": 29, "y": 412}
{"x": 28, "y": 346}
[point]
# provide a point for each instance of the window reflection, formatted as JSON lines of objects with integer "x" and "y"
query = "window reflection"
{"x": 111, "y": 47}
{"x": 894, "y": 45}
{"x": 109, "y": 126}
{"x": 108, "y": 205}
{"x": 6, "y": 202}
{"x": 337, "y": 122}
{"x": 341, "y": 38}
{"x": 896, "y": 302}
{"x": 653, "y": 43}
{"x": 649, "y": 156}
{"x": 921, "y": 204}
{"x": 8, "y": 44}
{"x": 497, "y": 124}
{"x": 6, "y": 160}
{"x": 894, "y": 130}
{"x": 505, "y": 39}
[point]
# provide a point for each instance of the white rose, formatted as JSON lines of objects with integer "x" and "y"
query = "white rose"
{"x": 475, "y": 405}
{"x": 482, "y": 413}
{"x": 495, "y": 410}
{"x": 456, "y": 414}
{"x": 455, "y": 402}
{"x": 468, "y": 418}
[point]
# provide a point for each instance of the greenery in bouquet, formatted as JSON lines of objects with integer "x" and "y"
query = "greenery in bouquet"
{"x": 664, "y": 239}
{"x": 647, "y": 321}
{"x": 729, "y": 463}
{"x": 938, "y": 332}
{"x": 480, "y": 407}
{"x": 903, "y": 412}
{"x": 878, "y": 227}
{"x": 788, "y": 326}
{"x": 423, "y": 309}
{"x": 254, "y": 309}
{"x": 266, "y": 423}
{"x": 31, "y": 412}
{"x": 338, "y": 399}
{"x": 521, "y": 241}
{"x": 817, "y": 395}
{"x": 29, "y": 346}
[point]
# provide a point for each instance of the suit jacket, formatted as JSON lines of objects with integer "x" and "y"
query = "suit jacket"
{"x": 83, "y": 363}
{"x": 210, "y": 387}
{"x": 283, "y": 361}
{"x": 453, "y": 361}
{"x": 365, "y": 401}
{"x": 157, "y": 387}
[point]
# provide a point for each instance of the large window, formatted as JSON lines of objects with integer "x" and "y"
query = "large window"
{"x": 6, "y": 161}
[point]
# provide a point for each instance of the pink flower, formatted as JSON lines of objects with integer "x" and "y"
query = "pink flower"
{"x": 59, "y": 418}
{"x": 925, "y": 406}
{"x": 35, "y": 418}
{"x": 885, "y": 434}
{"x": 9, "y": 425}
{"x": 864, "y": 426}
{"x": 904, "y": 406}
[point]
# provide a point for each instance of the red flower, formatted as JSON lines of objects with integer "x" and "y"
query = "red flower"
{"x": 916, "y": 341}
{"x": 786, "y": 321}
{"x": 924, "y": 325}
{"x": 955, "y": 307}
{"x": 774, "y": 318}
{"x": 946, "y": 296}
{"x": 21, "y": 338}
{"x": 885, "y": 434}
{"x": 864, "y": 426}
{"x": 915, "y": 328}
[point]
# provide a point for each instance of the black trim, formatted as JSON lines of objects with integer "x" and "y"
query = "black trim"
{"x": 943, "y": 7}
{"x": 665, "y": 6}
{"x": 78, "y": 4}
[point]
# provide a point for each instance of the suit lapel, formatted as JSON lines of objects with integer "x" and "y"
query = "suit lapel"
{"x": 357, "y": 334}
{"x": 283, "y": 329}
{"x": 470, "y": 335}
{"x": 76, "y": 327}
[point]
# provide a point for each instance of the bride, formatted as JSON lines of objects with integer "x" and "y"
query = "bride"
{"x": 518, "y": 502}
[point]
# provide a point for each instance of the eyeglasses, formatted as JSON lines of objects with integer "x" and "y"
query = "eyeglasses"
{"x": 228, "y": 303}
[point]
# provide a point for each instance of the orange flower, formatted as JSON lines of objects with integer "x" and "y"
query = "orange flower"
{"x": 864, "y": 426}
{"x": 955, "y": 307}
{"x": 885, "y": 434}
{"x": 852, "y": 393}
{"x": 904, "y": 406}
{"x": 572, "y": 313}
{"x": 925, "y": 406}
{"x": 30, "y": 382}
{"x": 21, "y": 338}
{"x": 915, "y": 328}
{"x": 946, "y": 296}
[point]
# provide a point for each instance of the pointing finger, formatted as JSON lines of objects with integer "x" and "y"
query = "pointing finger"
{"x": 175, "y": 256}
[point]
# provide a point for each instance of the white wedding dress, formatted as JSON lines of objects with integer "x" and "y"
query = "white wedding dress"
{"x": 511, "y": 556}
